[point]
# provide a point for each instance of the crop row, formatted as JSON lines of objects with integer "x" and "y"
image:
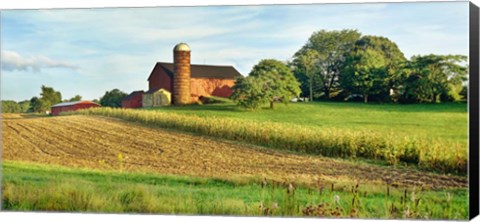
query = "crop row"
{"x": 430, "y": 154}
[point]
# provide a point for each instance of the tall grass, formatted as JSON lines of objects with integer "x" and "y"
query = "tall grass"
{"x": 436, "y": 155}
{"x": 28, "y": 187}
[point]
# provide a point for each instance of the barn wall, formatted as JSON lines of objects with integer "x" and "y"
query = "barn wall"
{"x": 147, "y": 100}
{"x": 160, "y": 79}
{"x": 126, "y": 103}
{"x": 211, "y": 87}
{"x": 135, "y": 101}
{"x": 84, "y": 106}
{"x": 57, "y": 110}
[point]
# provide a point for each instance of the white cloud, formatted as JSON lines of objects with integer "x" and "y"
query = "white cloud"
{"x": 12, "y": 61}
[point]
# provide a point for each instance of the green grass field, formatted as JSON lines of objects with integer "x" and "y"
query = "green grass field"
{"x": 54, "y": 188}
{"x": 436, "y": 121}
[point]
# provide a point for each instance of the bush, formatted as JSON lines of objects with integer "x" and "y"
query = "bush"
{"x": 213, "y": 100}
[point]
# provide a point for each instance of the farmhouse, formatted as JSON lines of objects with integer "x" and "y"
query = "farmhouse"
{"x": 187, "y": 83}
{"x": 71, "y": 106}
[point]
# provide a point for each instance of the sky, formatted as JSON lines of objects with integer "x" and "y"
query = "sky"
{"x": 91, "y": 51}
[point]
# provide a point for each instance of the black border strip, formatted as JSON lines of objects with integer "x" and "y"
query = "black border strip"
{"x": 473, "y": 110}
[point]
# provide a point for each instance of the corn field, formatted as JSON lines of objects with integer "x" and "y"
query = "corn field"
{"x": 428, "y": 154}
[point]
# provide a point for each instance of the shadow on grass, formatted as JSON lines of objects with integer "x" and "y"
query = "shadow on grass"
{"x": 452, "y": 107}
{"x": 209, "y": 107}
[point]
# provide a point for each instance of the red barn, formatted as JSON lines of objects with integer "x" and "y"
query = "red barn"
{"x": 72, "y": 106}
{"x": 134, "y": 100}
{"x": 205, "y": 80}
{"x": 187, "y": 82}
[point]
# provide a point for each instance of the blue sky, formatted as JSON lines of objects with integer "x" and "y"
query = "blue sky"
{"x": 90, "y": 51}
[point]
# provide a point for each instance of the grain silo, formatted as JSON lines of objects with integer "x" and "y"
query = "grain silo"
{"x": 181, "y": 76}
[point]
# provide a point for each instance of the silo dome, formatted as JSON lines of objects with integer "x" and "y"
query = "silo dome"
{"x": 181, "y": 47}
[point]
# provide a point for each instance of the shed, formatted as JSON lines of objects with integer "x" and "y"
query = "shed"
{"x": 72, "y": 106}
{"x": 157, "y": 97}
{"x": 134, "y": 100}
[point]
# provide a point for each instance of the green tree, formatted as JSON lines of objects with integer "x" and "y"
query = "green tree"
{"x": 464, "y": 92}
{"x": 306, "y": 67}
{"x": 278, "y": 81}
{"x": 248, "y": 92}
{"x": 35, "y": 104}
{"x": 434, "y": 78}
{"x": 75, "y": 98}
{"x": 24, "y": 106}
{"x": 112, "y": 98}
{"x": 332, "y": 48}
{"x": 393, "y": 58}
{"x": 364, "y": 73}
{"x": 10, "y": 106}
{"x": 48, "y": 98}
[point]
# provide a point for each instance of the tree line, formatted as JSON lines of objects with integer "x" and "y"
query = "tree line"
{"x": 338, "y": 65}
{"x": 346, "y": 66}
{"x": 49, "y": 96}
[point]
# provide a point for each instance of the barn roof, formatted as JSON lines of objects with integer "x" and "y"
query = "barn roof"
{"x": 200, "y": 71}
{"x": 73, "y": 103}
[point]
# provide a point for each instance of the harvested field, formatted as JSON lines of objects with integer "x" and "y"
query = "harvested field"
{"x": 106, "y": 143}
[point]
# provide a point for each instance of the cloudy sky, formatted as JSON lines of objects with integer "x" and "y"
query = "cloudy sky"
{"x": 90, "y": 51}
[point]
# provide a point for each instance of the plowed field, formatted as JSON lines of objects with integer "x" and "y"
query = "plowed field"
{"x": 105, "y": 143}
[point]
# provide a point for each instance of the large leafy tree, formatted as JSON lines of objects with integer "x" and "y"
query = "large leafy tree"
{"x": 306, "y": 68}
{"x": 48, "y": 94}
{"x": 393, "y": 57}
{"x": 364, "y": 73}
{"x": 380, "y": 61}
{"x": 112, "y": 98}
{"x": 48, "y": 97}
{"x": 331, "y": 48}
{"x": 35, "y": 104}
{"x": 248, "y": 92}
{"x": 269, "y": 81}
{"x": 432, "y": 78}
{"x": 279, "y": 83}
